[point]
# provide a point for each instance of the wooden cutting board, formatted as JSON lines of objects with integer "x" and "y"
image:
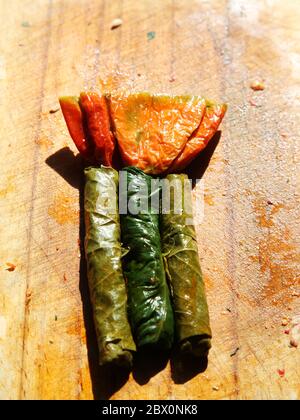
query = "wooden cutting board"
{"x": 249, "y": 238}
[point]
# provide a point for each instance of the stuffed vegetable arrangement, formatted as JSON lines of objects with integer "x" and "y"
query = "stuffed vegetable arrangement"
{"x": 144, "y": 275}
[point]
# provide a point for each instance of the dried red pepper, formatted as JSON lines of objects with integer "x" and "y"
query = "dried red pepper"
{"x": 213, "y": 116}
{"x": 96, "y": 115}
{"x": 74, "y": 120}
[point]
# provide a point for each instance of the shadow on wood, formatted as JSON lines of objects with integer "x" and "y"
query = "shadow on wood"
{"x": 105, "y": 381}
{"x": 67, "y": 165}
{"x": 198, "y": 167}
{"x": 148, "y": 363}
{"x": 186, "y": 367}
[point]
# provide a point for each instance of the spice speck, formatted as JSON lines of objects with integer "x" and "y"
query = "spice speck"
{"x": 10, "y": 267}
{"x": 151, "y": 35}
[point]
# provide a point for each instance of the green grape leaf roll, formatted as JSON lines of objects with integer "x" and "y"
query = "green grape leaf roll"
{"x": 179, "y": 246}
{"x": 149, "y": 307}
{"x": 104, "y": 267}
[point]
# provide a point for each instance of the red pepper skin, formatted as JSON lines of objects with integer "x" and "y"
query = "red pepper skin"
{"x": 213, "y": 116}
{"x": 96, "y": 115}
{"x": 74, "y": 120}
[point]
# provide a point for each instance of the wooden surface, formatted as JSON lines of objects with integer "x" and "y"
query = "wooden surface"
{"x": 248, "y": 239}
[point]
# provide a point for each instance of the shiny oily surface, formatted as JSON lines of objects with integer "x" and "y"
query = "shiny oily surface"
{"x": 180, "y": 251}
{"x": 149, "y": 308}
{"x": 104, "y": 268}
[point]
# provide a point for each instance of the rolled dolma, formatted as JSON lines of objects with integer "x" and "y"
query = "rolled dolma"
{"x": 104, "y": 267}
{"x": 179, "y": 246}
{"x": 149, "y": 308}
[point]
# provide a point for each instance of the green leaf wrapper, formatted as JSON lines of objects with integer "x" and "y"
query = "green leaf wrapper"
{"x": 104, "y": 267}
{"x": 149, "y": 307}
{"x": 179, "y": 246}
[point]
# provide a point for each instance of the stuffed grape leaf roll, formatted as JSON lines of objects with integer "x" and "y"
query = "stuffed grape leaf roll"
{"x": 179, "y": 246}
{"x": 149, "y": 308}
{"x": 104, "y": 267}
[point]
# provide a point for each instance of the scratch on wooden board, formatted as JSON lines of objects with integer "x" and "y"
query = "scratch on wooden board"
{"x": 3, "y": 327}
{"x": 2, "y": 68}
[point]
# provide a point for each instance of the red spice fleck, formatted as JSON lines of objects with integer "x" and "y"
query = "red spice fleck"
{"x": 281, "y": 372}
{"x": 172, "y": 79}
{"x": 286, "y": 332}
{"x": 10, "y": 266}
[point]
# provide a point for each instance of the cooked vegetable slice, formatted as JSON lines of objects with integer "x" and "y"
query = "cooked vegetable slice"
{"x": 149, "y": 307}
{"x": 152, "y": 130}
{"x": 98, "y": 125}
{"x": 104, "y": 267}
{"x": 179, "y": 246}
{"x": 213, "y": 116}
{"x": 74, "y": 120}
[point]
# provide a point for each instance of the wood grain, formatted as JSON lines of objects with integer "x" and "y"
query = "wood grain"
{"x": 249, "y": 238}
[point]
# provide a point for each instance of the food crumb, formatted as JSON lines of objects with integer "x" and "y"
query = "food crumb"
{"x": 281, "y": 372}
{"x": 235, "y": 352}
{"x": 284, "y": 322}
{"x": 257, "y": 85}
{"x": 65, "y": 277}
{"x": 172, "y": 79}
{"x": 296, "y": 294}
{"x": 10, "y": 266}
{"x": 116, "y": 23}
{"x": 294, "y": 343}
{"x": 53, "y": 111}
{"x": 51, "y": 341}
{"x": 25, "y": 24}
{"x": 284, "y": 135}
{"x": 228, "y": 310}
{"x": 55, "y": 318}
{"x": 295, "y": 332}
{"x": 215, "y": 388}
{"x": 28, "y": 297}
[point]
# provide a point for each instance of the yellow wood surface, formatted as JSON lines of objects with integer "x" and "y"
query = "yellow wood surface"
{"x": 248, "y": 239}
